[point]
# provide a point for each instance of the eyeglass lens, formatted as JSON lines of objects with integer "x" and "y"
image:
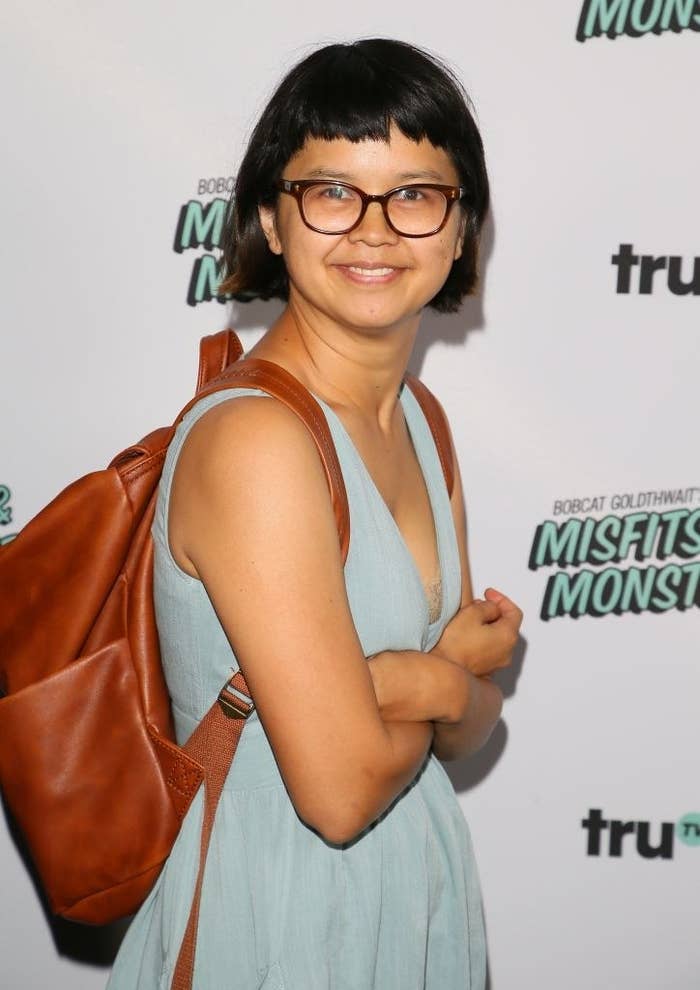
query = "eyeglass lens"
{"x": 412, "y": 210}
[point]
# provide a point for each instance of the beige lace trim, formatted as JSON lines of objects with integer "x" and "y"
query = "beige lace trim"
{"x": 433, "y": 593}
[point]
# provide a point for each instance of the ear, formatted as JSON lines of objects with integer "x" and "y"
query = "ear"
{"x": 269, "y": 226}
{"x": 461, "y": 234}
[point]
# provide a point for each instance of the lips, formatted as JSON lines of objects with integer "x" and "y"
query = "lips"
{"x": 369, "y": 271}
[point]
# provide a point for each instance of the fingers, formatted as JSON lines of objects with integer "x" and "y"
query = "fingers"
{"x": 493, "y": 595}
{"x": 488, "y": 611}
{"x": 507, "y": 606}
{"x": 483, "y": 634}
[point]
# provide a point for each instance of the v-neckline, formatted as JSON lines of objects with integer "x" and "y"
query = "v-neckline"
{"x": 397, "y": 530}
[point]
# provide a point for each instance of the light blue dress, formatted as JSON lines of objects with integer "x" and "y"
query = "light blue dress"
{"x": 398, "y": 908}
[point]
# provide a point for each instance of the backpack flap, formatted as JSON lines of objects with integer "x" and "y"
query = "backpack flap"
{"x": 87, "y": 759}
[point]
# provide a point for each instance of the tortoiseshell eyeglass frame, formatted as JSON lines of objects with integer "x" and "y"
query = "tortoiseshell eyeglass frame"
{"x": 297, "y": 188}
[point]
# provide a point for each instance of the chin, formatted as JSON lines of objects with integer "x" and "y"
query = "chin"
{"x": 379, "y": 322}
{"x": 375, "y": 316}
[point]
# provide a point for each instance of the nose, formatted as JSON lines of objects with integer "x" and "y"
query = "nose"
{"x": 373, "y": 228}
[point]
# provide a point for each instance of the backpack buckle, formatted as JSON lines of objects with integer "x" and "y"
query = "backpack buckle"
{"x": 233, "y": 703}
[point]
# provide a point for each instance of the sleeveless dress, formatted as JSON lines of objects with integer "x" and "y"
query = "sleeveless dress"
{"x": 396, "y": 908}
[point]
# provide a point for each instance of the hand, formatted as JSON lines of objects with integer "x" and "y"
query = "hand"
{"x": 482, "y": 635}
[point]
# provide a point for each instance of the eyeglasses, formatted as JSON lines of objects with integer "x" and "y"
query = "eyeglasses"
{"x": 416, "y": 210}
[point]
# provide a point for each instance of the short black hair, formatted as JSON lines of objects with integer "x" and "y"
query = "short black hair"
{"x": 353, "y": 91}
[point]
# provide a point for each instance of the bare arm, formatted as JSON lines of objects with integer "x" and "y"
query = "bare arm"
{"x": 467, "y": 735}
{"x": 414, "y": 686}
{"x": 253, "y": 521}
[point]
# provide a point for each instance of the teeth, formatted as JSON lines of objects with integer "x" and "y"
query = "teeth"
{"x": 370, "y": 271}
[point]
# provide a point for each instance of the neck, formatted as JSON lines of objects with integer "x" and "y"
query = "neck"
{"x": 350, "y": 368}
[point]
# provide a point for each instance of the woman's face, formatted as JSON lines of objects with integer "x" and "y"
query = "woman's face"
{"x": 370, "y": 278}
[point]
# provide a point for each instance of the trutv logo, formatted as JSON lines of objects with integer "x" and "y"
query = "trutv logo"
{"x": 614, "y": 837}
{"x": 636, "y": 17}
{"x": 642, "y": 273}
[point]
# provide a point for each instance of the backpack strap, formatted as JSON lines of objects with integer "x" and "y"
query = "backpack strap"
{"x": 213, "y": 745}
{"x": 216, "y": 352}
{"x": 437, "y": 421}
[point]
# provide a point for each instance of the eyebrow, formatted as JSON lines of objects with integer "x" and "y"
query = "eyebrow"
{"x": 428, "y": 174}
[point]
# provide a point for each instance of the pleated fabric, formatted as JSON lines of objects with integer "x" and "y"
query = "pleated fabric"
{"x": 398, "y": 907}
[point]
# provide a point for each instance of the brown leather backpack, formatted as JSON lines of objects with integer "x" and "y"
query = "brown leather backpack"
{"x": 88, "y": 762}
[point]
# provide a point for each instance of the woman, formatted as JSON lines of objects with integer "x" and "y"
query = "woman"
{"x": 340, "y": 856}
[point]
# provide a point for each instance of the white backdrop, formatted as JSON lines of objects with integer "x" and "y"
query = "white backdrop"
{"x": 568, "y": 400}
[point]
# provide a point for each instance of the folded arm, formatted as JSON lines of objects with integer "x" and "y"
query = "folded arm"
{"x": 415, "y": 686}
{"x": 252, "y": 520}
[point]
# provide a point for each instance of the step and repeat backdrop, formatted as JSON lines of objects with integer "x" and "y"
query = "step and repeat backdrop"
{"x": 571, "y": 383}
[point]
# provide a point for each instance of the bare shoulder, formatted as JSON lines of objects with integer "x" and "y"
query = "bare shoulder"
{"x": 246, "y": 424}
{"x": 243, "y": 454}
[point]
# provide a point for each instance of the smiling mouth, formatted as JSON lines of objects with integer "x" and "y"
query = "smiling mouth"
{"x": 370, "y": 271}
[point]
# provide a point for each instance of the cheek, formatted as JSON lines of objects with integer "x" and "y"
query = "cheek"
{"x": 304, "y": 250}
{"x": 446, "y": 253}
{"x": 306, "y": 259}
{"x": 437, "y": 264}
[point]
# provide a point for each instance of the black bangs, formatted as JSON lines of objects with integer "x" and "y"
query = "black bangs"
{"x": 357, "y": 91}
